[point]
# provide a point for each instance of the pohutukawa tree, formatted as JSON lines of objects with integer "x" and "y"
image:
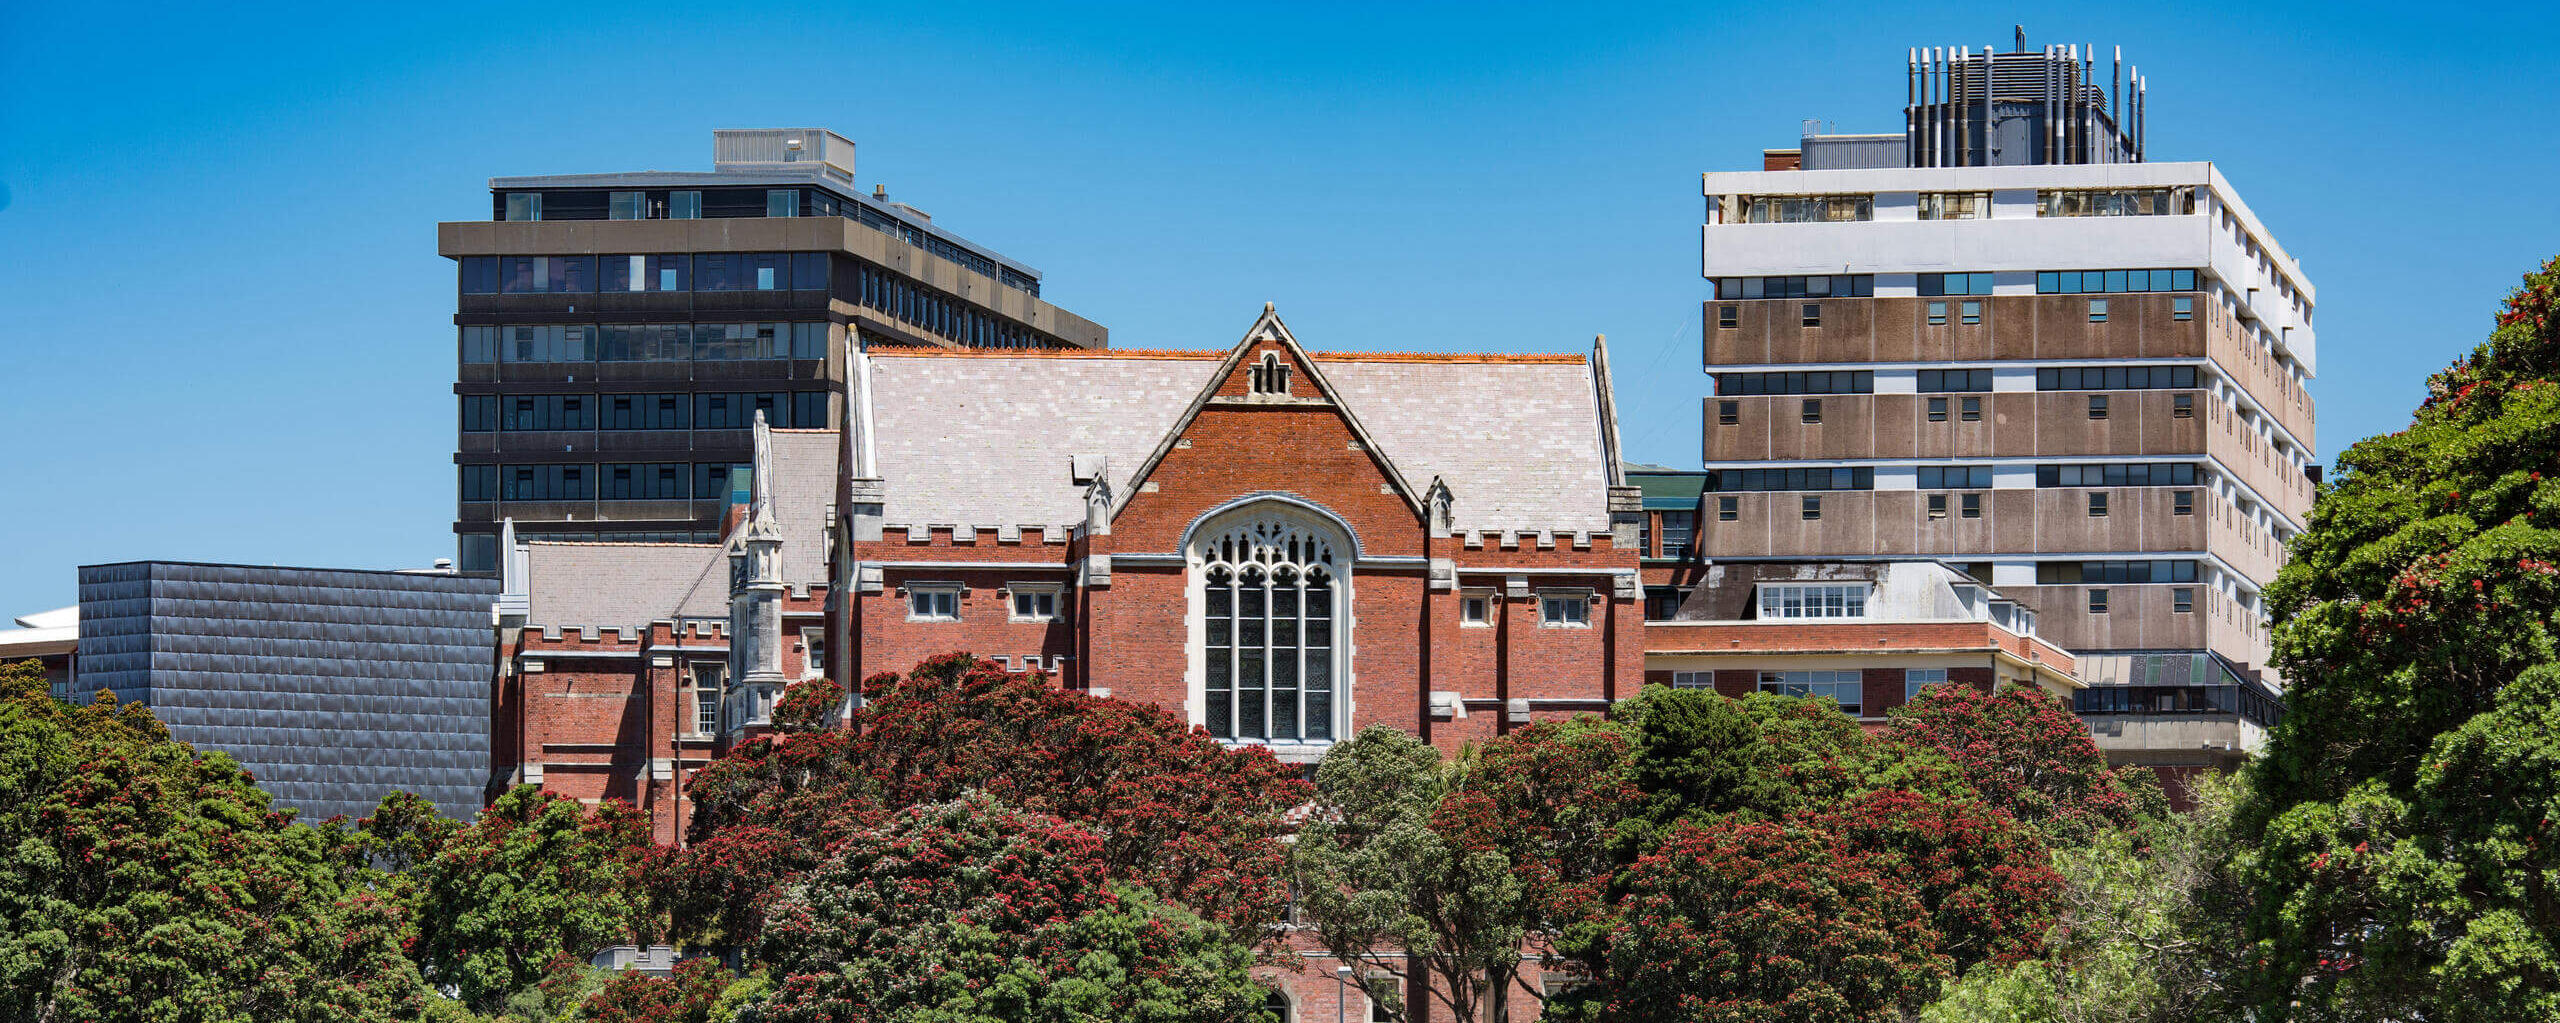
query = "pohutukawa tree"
{"x": 142, "y": 880}
{"x": 1177, "y": 813}
{"x": 2408, "y": 858}
{"x": 538, "y": 880}
{"x": 967, "y": 911}
{"x": 2022, "y": 751}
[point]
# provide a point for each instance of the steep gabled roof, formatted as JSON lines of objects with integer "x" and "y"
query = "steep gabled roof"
{"x": 986, "y": 438}
{"x": 1269, "y": 329}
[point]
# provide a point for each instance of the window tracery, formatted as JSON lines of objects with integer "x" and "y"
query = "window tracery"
{"x": 1270, "y": 605}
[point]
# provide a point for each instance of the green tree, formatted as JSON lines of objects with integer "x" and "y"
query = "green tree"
{"x": 537, "y": 880}
{"x": 969, "y": 912}
{"x": 2411, "y": 622}
{"x": 2145, "y": 932}
{"x": 141, "y": 880}
{"x": 1703, "y": 756}
{"x": 1441, "y": 871}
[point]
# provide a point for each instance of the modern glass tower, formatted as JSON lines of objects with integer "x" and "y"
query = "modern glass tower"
{"x": 618, "y": 333}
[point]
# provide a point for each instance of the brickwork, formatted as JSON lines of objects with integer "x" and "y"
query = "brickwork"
{"x": 604, "y": 718}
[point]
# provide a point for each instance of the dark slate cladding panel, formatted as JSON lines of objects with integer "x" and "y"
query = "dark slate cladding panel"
{"x": 332, "y": 687}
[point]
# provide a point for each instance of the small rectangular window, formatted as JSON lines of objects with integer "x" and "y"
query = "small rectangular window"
{"x": 1937, "y": 506}
{"x": 2182, "y": 406}
{"x": 1034, "y": 603}
{"x": 1972, "y": 410}
{"x": 2182, "y": 308}
{"x": 1728, "y": 317}
{"x": 2097, "y": 310}
{"x": 1813, "y": 410}
{"x": 933, "y": 602}
{"x": 2182, "y": 502}
{"x": 628, "y": 206}
{"x": 2098, "y": 504}
{"x": 2182, "y": 600}
{"x": 1937, "y": 314}
{"x": 1937, "y": 410}
{"x": 1728, "y": 509}
{"x": 2097, "y": 406}
{"x": 479, "y": 483}
{"x": 524, "y": 206}
{"x": 782, "y": 202}
{"x": 1728, "y": 413}
{"x": 1813, "y": 314}
{"x": 1475, "y": 607}
{"x": 1812, "y": 508}
{"x": 1565, "y": 608}
{"x": 2097, "y": 602}
{"x": 684, "y": 205}
{"x": 1916, "y": 679}
{"x": 1972, "y": 312}
{"x": 1970, "y": 506}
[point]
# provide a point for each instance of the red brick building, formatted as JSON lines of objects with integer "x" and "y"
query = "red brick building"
{"x": 615, "y": 667}
{"x": 1283, "y": 546}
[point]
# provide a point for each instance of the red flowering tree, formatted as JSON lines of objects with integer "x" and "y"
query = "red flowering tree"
{"x": 2022, "y": 751}
{"x": 808, "y": 705}
{"x": 1986, "y": 880}
{"x": 968, "y": 911}
{"x": 142, "y": 880}
{"x": 686, "y": 996}
{"x": 536, "y": 878}
{"x": 1753, "y": 921}
{"x": 1179, "y": 814}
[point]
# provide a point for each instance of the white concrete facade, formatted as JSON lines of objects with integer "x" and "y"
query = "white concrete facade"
{"x": 2221, "y": 236}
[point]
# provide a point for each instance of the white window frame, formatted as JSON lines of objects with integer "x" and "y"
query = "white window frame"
{"x": 919, "y": 590}
{"x": 1014, "y": 592}
{"x": 1813, "y": 600}
{"x": 1785, "y": 683}
{"x": 1255, "y": 545}
{"x": 693, "y": 704}
{"x": 813, "y": 652}
{"x": 1476, "y": 593}
{"x": 1701, "y": 679}
{"x": 1576, "y": 598}
{"x": 1916, "y": 679}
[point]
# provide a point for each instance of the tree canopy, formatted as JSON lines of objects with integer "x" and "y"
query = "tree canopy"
{"x": 143, "y": 880}
{"x": 2399, "y": 830}
{"x": 1178, "y": 813}
{"x": 968, "y": 911}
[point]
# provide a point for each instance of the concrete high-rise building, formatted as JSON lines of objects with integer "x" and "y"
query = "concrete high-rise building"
{"x": 619, "y": 332}
{"x": 2004, "y": 339}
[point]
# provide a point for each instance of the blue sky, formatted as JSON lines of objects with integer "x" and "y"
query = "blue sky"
{"x": 233, "y": 341}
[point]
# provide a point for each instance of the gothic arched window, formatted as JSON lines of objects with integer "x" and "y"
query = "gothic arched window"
{"x": 1270, "y": 602}
{"x": 1270, "y": 376}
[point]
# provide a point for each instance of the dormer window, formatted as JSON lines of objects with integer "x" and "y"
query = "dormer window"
{"x": 1270, "y": 376}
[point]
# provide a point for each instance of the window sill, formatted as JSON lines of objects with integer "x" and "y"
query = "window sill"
{"x": 1301, "y": 751}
